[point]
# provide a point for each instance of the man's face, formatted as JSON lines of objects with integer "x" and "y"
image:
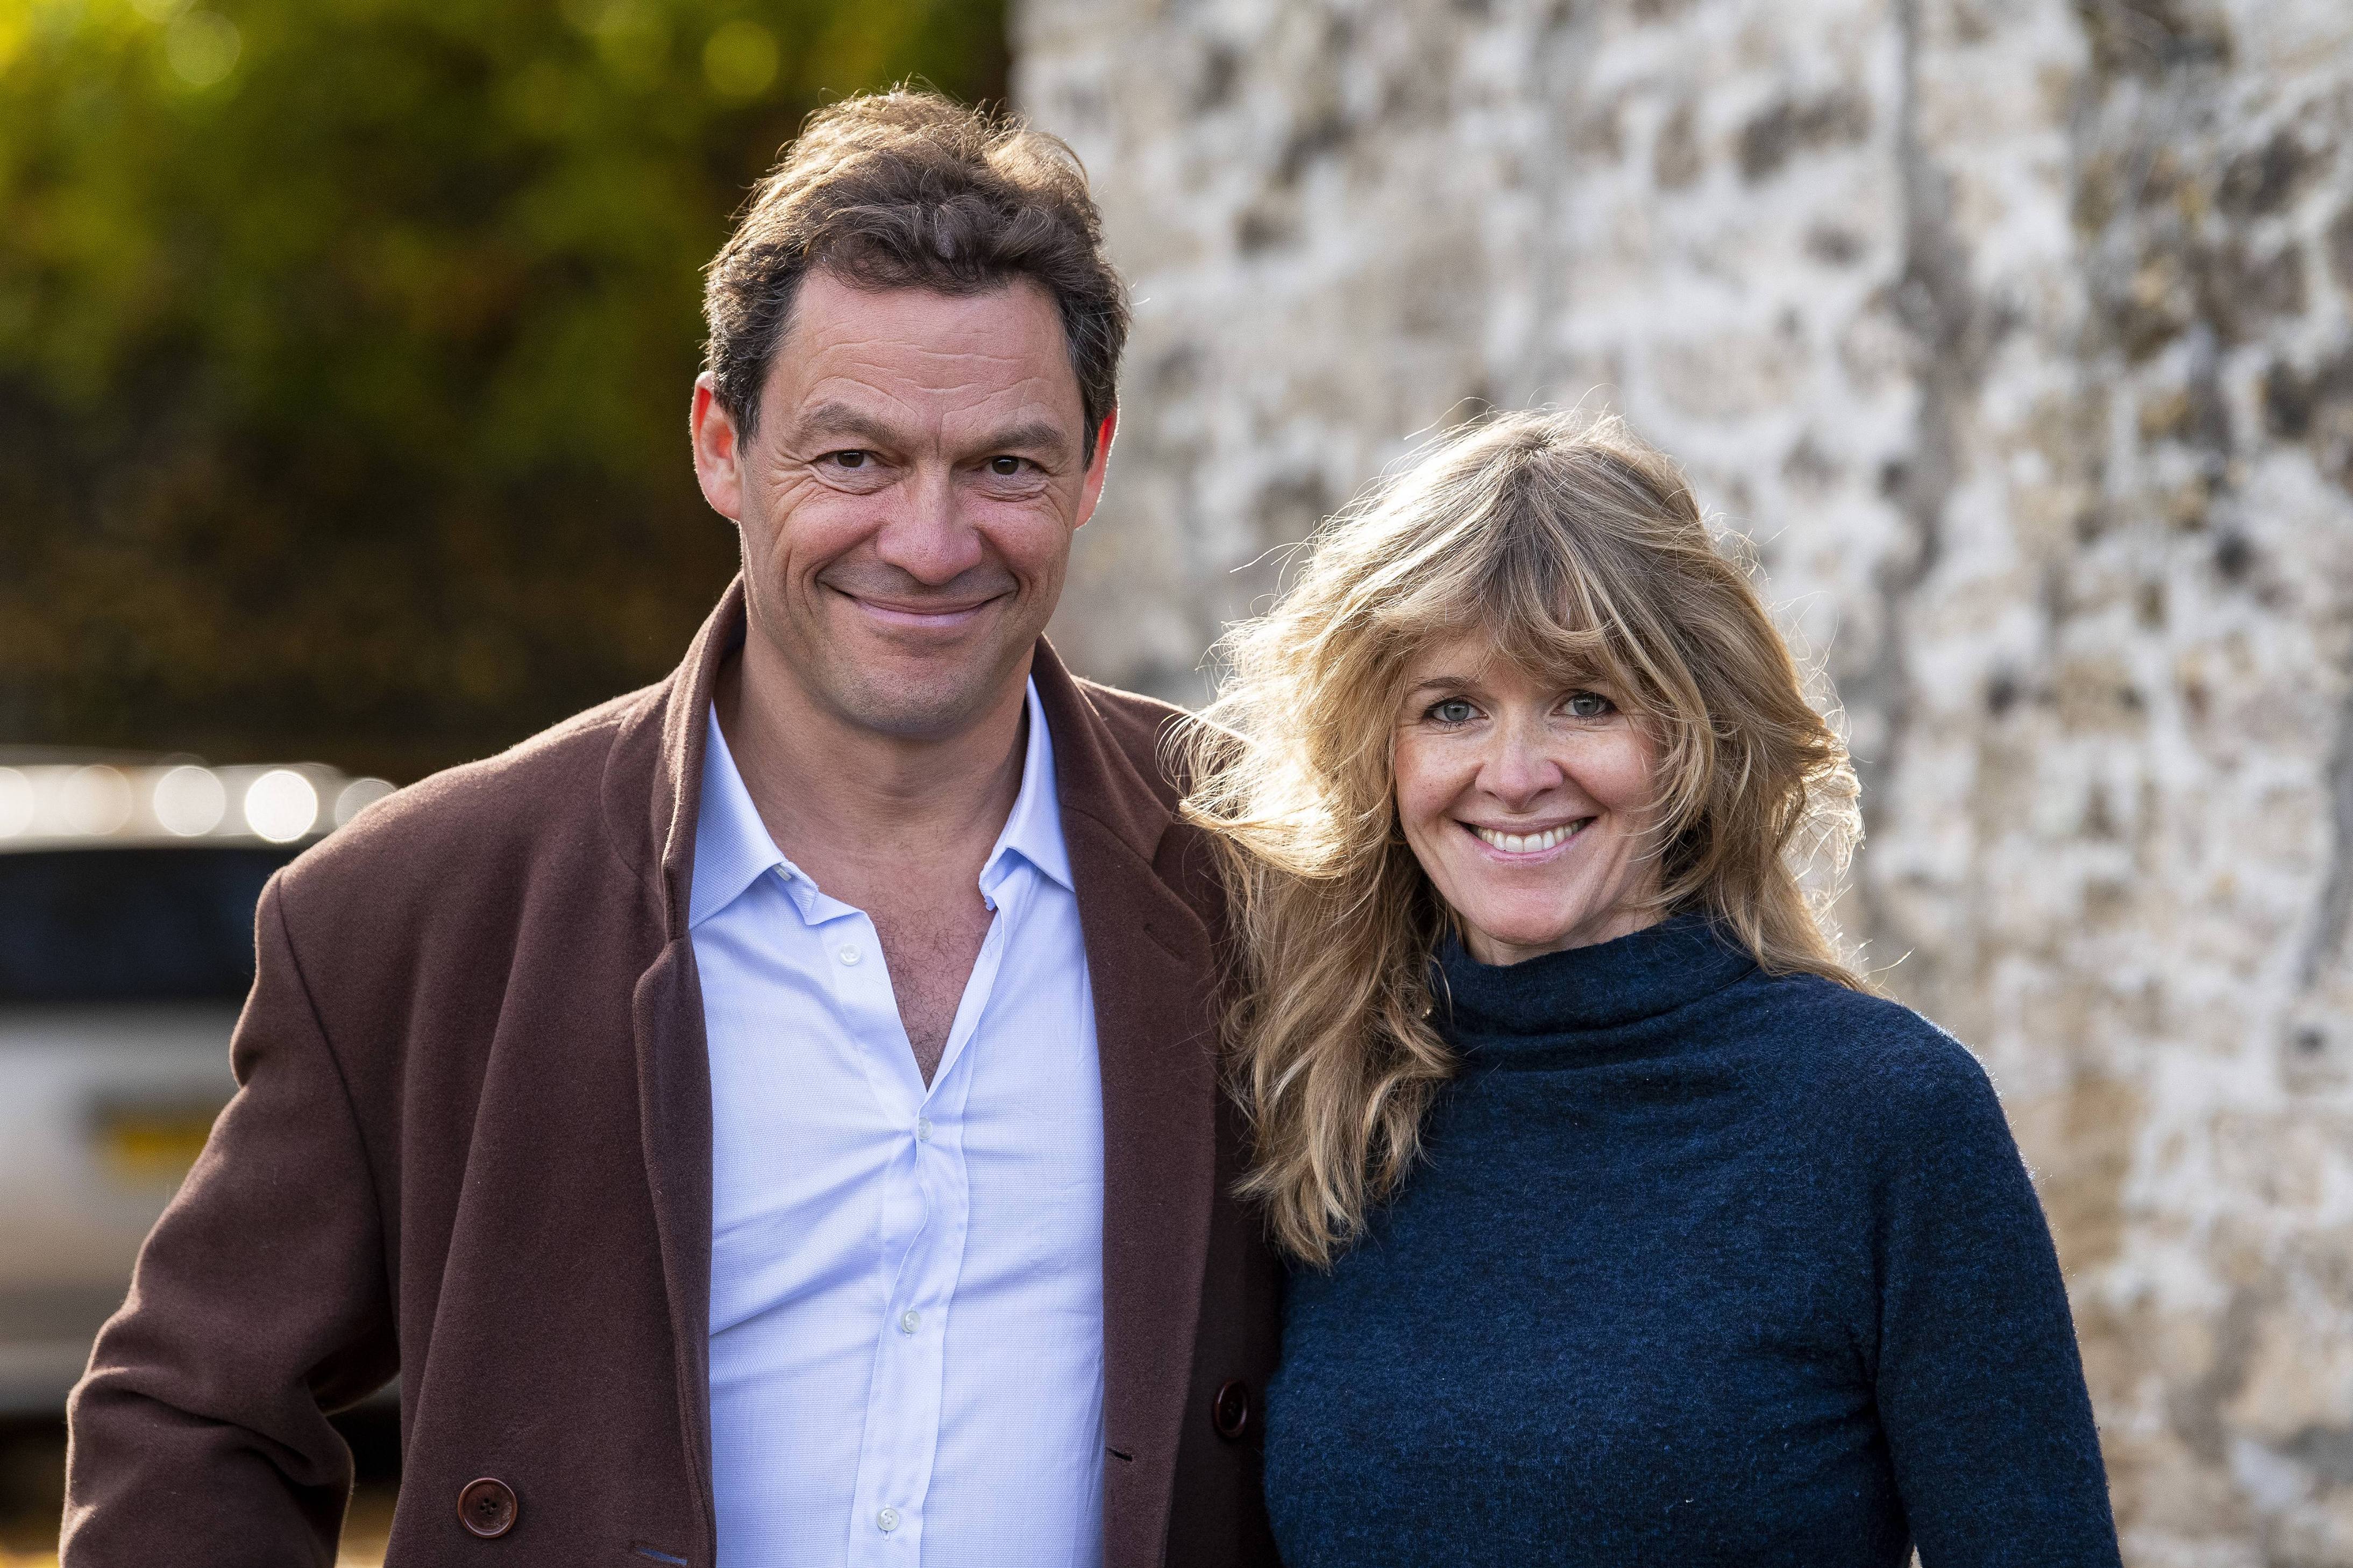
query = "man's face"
{"x": 908, "y": 498}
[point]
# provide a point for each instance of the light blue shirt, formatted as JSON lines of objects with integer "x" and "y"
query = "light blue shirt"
{"x": 906, "y": 1283}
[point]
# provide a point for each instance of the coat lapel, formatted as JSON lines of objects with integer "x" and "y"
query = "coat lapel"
{"x": 653, "y": 790}
{"x": 674, "y": 1130}
{"x": 1150, "y": 964}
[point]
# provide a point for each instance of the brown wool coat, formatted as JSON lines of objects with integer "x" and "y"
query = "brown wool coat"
{"x": 471, "y": 1145}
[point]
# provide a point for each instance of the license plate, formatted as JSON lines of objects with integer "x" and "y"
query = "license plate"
{"x": 152, "y": 1145}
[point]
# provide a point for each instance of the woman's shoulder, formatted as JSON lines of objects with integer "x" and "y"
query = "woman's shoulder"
{"x": 1872, "y": 1056}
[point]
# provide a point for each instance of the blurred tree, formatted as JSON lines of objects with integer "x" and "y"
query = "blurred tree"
{"x": 345, "y": 344}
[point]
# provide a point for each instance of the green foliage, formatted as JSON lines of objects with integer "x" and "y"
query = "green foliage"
{"x": 345, "y": 348}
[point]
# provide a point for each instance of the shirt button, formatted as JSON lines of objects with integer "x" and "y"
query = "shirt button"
{"x": 909, "y": 1321}
{"x": 888, "y": 1519}
{"x": 922, "y": 1130}
{"x": 848, "y": 955}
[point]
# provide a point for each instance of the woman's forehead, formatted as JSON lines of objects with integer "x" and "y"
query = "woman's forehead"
{"x": 1494, "y": 656}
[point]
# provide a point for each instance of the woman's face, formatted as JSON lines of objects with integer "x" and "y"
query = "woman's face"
{"x": 1525, "y": 803}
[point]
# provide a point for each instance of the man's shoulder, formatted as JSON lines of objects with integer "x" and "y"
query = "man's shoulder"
{"x": 1139, "y": 727}
{"x": 1147, "y": 733}
{"x": 481, "y": 820}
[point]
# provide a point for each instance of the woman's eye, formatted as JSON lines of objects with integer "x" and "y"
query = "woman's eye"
{"x": 1005, "y": 467}
{"x": 1590, "y": 705}
{"x": 1453, "y": 711}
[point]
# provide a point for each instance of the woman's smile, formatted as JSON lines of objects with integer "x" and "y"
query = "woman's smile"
{"x": 1527, "y": 845}
{"x": 1528, "y": 800}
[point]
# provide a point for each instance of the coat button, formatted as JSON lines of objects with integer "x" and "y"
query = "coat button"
{"x": 1229, "y": 1412}
{"x": 487, "y": 1508}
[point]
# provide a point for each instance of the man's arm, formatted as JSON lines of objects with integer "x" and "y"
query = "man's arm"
{"x": 260, "y": 1301}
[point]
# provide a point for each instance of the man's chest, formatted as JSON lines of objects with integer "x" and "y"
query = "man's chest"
{"x": 820, "y": 1111}
{"x": 930, "y": 949}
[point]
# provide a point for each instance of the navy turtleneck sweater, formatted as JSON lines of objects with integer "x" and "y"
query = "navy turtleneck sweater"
{"x": 1704, "y": 1267}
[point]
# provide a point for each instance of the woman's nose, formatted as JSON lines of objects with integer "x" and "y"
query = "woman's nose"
{"x": 1520, "y": 767}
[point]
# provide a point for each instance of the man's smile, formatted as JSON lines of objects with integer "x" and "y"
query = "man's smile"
{"x": 922, "y": 615}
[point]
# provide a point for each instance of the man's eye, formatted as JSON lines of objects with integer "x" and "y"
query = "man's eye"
{"x": 1453, "y": 711}
{"x": 1005, "y": 467}
{"x": 851, "y": 459}
{"x": 1590, "y": 705}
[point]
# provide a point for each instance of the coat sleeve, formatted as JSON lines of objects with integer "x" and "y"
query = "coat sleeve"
{"x": 1979, "y": 1386}
{"x": 260, "y": 1302}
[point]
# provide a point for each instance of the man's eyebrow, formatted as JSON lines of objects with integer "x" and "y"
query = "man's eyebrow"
{"x": 1036, "y": 436}
{"x": 831, "y": 419}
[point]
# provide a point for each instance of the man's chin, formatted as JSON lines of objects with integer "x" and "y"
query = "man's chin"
{"x": 920, "y": 700}
{"x": 922, "y": 683}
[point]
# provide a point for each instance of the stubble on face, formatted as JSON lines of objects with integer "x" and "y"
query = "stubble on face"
{"x": 909, "y": 500}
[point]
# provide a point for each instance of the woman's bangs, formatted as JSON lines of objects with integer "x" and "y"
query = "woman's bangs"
{"x": 1522, "y": 602}
{"x": 1545, "y": 619}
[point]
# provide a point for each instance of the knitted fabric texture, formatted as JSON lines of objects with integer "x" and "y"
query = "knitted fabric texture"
{"x": 1704, "y": 1267}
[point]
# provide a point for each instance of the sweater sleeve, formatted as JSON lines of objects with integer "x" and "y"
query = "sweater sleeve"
{"x": 1979, "y": 1386}
{"x": 260, "y": 1302}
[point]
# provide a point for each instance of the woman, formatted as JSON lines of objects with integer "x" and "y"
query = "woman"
{"x": 1627, "y": 1226}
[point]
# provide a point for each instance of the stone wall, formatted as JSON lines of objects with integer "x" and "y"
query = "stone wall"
{"x": 2013, "y": 334}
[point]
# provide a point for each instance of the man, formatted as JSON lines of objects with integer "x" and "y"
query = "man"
{"x": 771, "y": 1119}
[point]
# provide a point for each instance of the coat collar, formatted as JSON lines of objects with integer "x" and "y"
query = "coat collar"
{"x": 1151, "y": 967}
{"x": 656, "y": 826}
{"x": 733, "y": 849}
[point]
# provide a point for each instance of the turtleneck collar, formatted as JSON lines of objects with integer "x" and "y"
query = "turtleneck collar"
{"x": 1606, "y": 986}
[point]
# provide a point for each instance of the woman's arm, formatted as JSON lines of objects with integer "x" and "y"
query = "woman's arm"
{"x": 1979, "y": 1386}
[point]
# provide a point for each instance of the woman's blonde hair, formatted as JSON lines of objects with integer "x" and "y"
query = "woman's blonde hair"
{"x": 1579, "y": 551}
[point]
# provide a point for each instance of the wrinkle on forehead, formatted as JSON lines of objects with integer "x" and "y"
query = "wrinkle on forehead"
{"x": 1003, "y": 364}
{"x": 845, "y": 384}
{"x": 848, "y": 342}
{"x": 1004, "y": 325}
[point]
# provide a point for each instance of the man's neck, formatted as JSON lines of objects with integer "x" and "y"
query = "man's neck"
{"x": 858, "y": 810}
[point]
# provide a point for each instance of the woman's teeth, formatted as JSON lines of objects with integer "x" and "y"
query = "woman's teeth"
{"x": 1526, "y": 843}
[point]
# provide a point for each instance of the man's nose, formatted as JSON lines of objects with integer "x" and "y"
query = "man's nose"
{"x": 926, "y": 535}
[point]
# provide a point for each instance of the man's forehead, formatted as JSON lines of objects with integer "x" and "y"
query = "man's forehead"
{"x": 884, "y": 355}
{"x": 1016, "y": 321}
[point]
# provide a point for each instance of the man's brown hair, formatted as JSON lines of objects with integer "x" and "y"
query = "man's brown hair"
{"x": 908, "y": 189}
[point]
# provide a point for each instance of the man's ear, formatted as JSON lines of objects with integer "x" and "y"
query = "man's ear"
{"x": 1098, "y": 468}
{"x": 718, "y": 450}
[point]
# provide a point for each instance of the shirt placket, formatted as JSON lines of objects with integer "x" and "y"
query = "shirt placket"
{"x": 925, "y": 1210}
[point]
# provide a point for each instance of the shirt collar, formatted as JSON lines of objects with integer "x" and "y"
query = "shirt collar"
{"x": 733, "y": 849}
{"x": 1033, "y": 829}
{"x": 732, "y": 846}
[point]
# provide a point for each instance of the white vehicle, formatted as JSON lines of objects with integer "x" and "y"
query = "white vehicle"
{"x": 127, "y": 890}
